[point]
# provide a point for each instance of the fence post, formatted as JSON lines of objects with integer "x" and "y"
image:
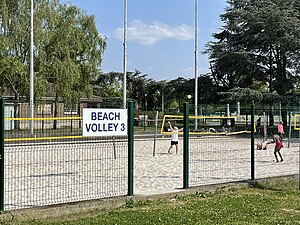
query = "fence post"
{"x": 252, "y": 144}
{"x": 2, "y": 156}
{"x": 186, "y": 145}
{"x": 155, "y": 135}
{"x": 130, "y": 147}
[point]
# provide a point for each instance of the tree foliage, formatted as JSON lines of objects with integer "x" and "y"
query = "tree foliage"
{"x": 67, "y": 49}
{"x": 260, "y": 41}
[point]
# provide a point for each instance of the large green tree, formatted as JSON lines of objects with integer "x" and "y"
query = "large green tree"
{"x": 108, "y": 84}
{"x": 260, "y": 41}
{"x": 67, "y": 49}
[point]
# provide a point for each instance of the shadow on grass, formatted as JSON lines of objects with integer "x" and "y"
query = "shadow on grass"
{"x": 276, "y": 184}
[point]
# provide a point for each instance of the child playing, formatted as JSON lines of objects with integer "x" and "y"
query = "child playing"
{"x": 278, "y": 145}
{"x": 174, "y": 137}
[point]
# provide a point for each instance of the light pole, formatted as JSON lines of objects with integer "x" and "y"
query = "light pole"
{"x": 196, "y": 63}
{"x": 124, "y": 55}
{"x": 31, "y": 70}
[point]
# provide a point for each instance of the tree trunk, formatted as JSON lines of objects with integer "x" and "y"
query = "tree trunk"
{"x": 284, "y": 113}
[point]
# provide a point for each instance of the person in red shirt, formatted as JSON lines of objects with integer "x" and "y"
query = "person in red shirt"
{"x": 278, "y": 146}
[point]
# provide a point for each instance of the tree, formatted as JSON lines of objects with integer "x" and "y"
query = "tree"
{"x": 265, "y": 37}
{"x": 67, "y": 49}
{"x": 207, "y": 90}
{"x": 73, "y": 53}
{"x": 137, "y": 87}
{"x": 108, "y": 84}
{"x": 15, "y": 46}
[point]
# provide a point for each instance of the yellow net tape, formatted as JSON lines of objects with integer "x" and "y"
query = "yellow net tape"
{"x": 48, "y": 118}
{"x": 170, "y": 117}
{"x": 295, "y": 121}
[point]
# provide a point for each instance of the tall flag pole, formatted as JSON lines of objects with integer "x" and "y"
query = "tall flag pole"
{"x": 31, "y": 70}
{"x": 124, "y": 55}
{"x": 196, "y": 63}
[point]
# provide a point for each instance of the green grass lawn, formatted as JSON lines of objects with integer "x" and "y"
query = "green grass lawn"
{"x": 270, "y": 202}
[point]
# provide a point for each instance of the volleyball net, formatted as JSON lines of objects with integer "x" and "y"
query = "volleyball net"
{"x": 208, "y": 125}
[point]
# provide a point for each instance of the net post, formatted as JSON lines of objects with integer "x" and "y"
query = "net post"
{"x": 252, "y": 144}
{"x": 186, "y": 146}
{"x": 130, "y": 146}
{"x": 2, "y": 156}
{"x": 290, "y": 129}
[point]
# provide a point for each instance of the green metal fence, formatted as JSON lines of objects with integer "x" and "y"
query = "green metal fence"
{"x": 221, "y": 151}
{"x": 265, "y": 159}
{"x": 221, "y": 157}
{"x": 56, "y": 164}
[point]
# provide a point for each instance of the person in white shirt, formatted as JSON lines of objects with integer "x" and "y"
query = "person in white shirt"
{"x": 174, "y": 137}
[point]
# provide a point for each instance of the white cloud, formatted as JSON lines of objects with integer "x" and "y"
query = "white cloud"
{"x": 188, "y": 70}
{"x": 149, "y": 34}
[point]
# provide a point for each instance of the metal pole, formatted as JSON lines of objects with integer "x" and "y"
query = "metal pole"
{"x": 2, "y": 156}
{"x": 196, "y": 63}
{"x": 238, "y": 109}
{"x": 228, "y": 110}
{"x": 31, "y": 70}
{"x": 186, "y": 146}
{"x": 124, "y": 55}
{"x": 265, "y": 133}
{"x": 252, "y": 144}
{"x": 290, "y": 129}
{"x": 155, "y": 135}
{"x": 280, "y": 115}
{"x": 145, "y": 109}
{"x": 130, "y": 147}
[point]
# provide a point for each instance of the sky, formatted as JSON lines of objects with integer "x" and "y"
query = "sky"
{"x": 160, "y": 34}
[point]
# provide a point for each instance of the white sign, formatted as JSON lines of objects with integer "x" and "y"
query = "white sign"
{"x": 104, "y": 122}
